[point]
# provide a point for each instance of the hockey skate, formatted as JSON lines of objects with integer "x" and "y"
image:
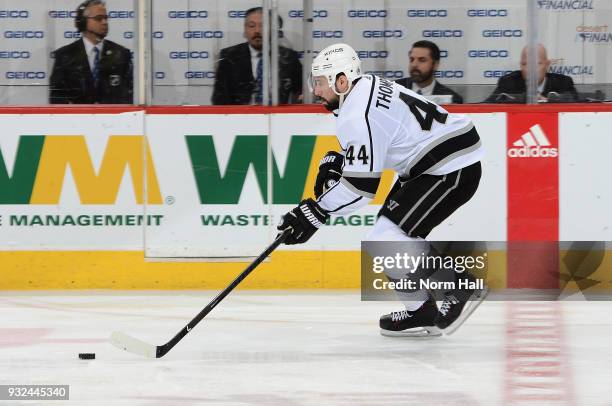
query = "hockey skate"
{"x": 459, "y": 304}
{"x": 417, "y": 323}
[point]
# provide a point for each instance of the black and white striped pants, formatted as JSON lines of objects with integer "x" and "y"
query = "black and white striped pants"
{"x": 418, "y": 205}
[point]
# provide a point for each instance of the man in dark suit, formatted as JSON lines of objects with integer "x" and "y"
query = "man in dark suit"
{"x": 552, "y": 87}
{"x": 424, "y": 61}
{"x": 92, "y": 69}
{"x": 238, "y": 79}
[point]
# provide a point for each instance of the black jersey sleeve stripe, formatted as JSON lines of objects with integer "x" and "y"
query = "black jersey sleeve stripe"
{"x": 344, "y": 205}
{"x": 367, "y": 120}
{"x": 367, "y": 185}
{"x": 354, "y": 189}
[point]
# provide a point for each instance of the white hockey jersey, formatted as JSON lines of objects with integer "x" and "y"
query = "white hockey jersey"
{"x": 383, "y": 125}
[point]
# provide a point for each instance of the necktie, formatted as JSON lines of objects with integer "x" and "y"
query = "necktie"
{"x": 259, "y": 94}
{"x": 96, "y": 66}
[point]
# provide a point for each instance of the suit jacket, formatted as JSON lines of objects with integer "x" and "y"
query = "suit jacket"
{"x": 234, "y": 81}
{"x": 439, "y": 88}
{"x": 514, "y": 85}
{"x": 72, "y": 80}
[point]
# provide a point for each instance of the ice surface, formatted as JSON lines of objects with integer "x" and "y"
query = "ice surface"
{"x": 295, "y": 348}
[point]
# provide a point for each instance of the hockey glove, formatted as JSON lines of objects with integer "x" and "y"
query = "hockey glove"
{"x": 330, "y": 172}
{"x": 305, "y": 220}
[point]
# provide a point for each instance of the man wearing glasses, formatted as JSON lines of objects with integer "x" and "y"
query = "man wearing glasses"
{"x": 92, "y": 69}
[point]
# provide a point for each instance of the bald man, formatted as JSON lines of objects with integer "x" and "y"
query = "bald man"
{"x": 552, "y": 87}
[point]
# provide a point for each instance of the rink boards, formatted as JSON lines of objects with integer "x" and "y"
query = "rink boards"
{"x": 84, "y": 196}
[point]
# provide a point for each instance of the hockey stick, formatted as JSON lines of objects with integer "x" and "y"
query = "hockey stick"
{"x": 137, "y": 346}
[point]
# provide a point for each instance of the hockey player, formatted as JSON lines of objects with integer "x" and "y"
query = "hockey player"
{"x": 436, "y": 155}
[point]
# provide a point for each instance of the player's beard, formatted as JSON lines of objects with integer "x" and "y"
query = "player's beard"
{"x": 419, "y": 77}
{"x": 331, "y": 105}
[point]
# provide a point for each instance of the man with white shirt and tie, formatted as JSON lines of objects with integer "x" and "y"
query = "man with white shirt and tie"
{"x": 92, "y": 69}
{"x": 424, "y": 61}
{"x": 239, "y": 73}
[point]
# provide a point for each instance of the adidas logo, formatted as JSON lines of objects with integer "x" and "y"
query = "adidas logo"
{"x": 533, "y": 144}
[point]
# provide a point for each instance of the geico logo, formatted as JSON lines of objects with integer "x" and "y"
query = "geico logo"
{"x": 389, "y": 74}
{"x": 236, "y": 13}
{"x": 203, "y": 34}
{"x": 157, "y": 34}
{"x": 121, "y": 14}
{"x": 315, "y": 13}
{"x": 72, "y": 34}
{"x": 128, "y": 34}
{"x": 383, "y": 34}
{"x": 327, "y": 34}
{"x": 14, "y": 13}
{"x": 24, "y": 34}
{"x": 488, "y": 53}
{"x": 487, "y": 12}
{"x": 448, "y": 74}
{"x": 25, "y": 75}
{"x": 62, "y": 13}
{"x": 367, "y": 13}
{"x": 14, "y": 55}
{"x": 160, "y": 75}
{"x": 502, "y": 33}
{"x": 443, "y": 53}
{"x": 427, "y": 13}
{"x": 495, "y": 73}
{"x": 443, "y": 33}
{"x": 188, "y": 54}
{"x": 372, "y": 54}
{"x": 301, "y": 54}
{"x": 199, "y": 74}
{"x": 533, "y": 152}
{"x": 188, "y": 14}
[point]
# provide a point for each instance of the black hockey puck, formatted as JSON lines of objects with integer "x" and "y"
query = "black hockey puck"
{"x": 87, "y": 355}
